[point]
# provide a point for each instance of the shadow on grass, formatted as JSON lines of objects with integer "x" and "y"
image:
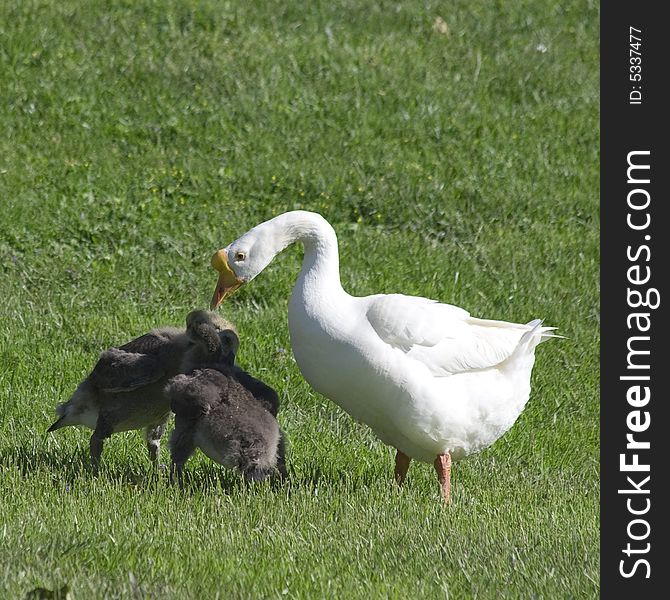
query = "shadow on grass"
{"x": 215, "y": 478}
{"x": 41, "y": 593}
{"x": 314, "y": 475}
{"x": 69, "y": 467}
{"x": 212, "y": 477}
{"x": 31, "y": 459}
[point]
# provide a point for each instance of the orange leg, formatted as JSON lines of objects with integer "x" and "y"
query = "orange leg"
{"x": 401, "y": 466}
{"x": 443, "y": 467}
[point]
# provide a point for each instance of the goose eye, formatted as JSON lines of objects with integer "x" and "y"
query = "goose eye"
{"x": 240, "y": 256}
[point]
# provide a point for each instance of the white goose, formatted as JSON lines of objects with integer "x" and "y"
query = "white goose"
{"x": 429, "y": 379}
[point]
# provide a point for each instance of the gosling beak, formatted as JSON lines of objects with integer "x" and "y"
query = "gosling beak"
{"x": 228, "y": 281}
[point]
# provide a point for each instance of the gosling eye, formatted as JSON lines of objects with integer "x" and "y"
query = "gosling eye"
{"x": 240, "y": 256}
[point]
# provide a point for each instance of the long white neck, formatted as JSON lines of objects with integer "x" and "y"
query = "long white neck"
{"x": 320, "y": 273}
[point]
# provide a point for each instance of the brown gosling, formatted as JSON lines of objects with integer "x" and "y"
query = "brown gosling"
{"x": 126, "y": 389}
{"x": 229, "y": 415}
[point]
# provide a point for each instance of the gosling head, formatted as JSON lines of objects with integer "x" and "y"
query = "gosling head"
{"x": 218, "y": 335}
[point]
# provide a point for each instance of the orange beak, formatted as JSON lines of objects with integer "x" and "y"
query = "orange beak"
{"x": 228, "y": 281}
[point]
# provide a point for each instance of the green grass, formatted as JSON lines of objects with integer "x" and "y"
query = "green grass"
{"x": 136, "y": 138}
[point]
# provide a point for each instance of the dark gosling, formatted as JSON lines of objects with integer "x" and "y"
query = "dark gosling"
{"x": 126, "y": 389}
{"x": 229, "y": 415}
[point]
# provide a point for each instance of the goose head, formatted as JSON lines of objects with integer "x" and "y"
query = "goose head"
{"x": 239, "y": 262}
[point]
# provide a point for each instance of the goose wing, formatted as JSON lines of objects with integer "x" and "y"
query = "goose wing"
{"x": 443, "y": 337}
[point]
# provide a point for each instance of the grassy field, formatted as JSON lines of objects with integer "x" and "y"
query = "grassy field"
{"x": 458, "y": 163}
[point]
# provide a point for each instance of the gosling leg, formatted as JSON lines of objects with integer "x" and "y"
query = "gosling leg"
{"x": 102, "y": 431}
{"x": 153, "y": 435}
{"x": 401, "y": 466}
